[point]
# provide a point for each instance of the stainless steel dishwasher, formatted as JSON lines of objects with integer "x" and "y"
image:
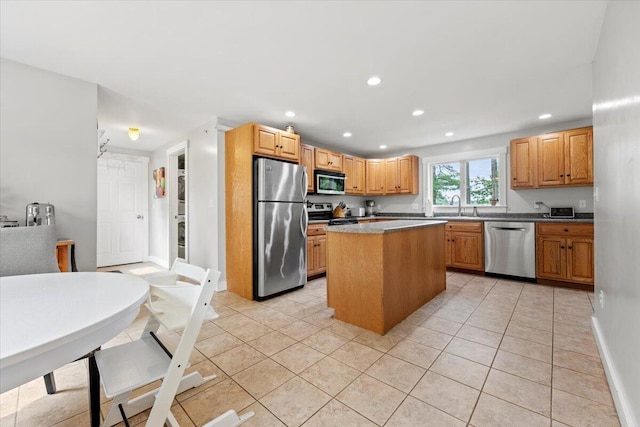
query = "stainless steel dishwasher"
{"x": 510, "y": 248}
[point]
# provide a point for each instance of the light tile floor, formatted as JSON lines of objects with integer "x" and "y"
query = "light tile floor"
{"x": 486, "y": 352}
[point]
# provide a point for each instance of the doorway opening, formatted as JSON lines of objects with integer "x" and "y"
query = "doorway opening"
{"x": 178, "y": 192}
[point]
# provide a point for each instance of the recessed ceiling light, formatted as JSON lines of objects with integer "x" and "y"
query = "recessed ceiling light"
{"x": 290, "y": 114}
{"x": 347, "y": 134}
{"x": 545, "y": 116}
{"x": 448, "y": 134}
{"x": 382, "y": 147}
{"x": 374, "y": 81}
{"x": 418, "y": 113}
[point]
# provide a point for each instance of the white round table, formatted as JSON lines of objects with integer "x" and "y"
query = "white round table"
{"x": 49, "y": 320}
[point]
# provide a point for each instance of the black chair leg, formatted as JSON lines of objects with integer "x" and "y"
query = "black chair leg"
{"x": 50, "y": 383}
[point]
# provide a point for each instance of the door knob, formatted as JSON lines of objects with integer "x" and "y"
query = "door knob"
{"x": 140, "y": 217}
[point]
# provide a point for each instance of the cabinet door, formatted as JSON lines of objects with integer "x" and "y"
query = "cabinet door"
{"x": 578, "y": 156}
{"x": 523, "y": 153}
{"x": 321, "y": 254}
{"x": 580, "y": 260}
{"x": 306, "y": 160}
{"x": 406, "y": 172}
{"x": 551, "y": 257}
{"x": 375, "y": 176}
{"x": 347, "y": 168}
{"x": 335, "y": 161}
{"x": 467, "y": 251}
{"x": 311, "y": 255}
{"x": 391, "y": 176}
{"x": 289, "y": 146}
{"x": 323, "y": 159}
{"x": 551, "y": 160}
{"x": 358, "y": 175}
{"x": 265, "y": 140}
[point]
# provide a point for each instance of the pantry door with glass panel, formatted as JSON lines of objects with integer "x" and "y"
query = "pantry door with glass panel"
{"x": 121, "y": 211}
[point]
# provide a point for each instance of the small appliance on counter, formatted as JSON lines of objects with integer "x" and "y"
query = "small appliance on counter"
{"x": 6, "y": 222}
{"x": 562, "y": 212}
{"x": 358, "y": 212}
{"x": 371, "y": 204}
{"x": 40, "y": 214}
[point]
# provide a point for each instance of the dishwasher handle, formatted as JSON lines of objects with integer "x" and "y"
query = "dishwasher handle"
{"x": 509, "y": 228}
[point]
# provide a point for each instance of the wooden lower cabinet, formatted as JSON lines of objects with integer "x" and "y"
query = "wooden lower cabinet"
{"x": 564, "y": 252}
{"x": 316, "y": 250}
{"x": 464, "y": 245}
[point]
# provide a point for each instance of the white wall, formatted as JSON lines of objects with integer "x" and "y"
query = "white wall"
{"x": 48, "y": 146}
{"x": 520, "y": 201}
{"x": 204, "y": 195}
{"x": 616, "y": 119}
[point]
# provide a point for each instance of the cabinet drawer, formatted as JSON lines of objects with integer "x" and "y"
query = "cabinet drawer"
{"x": 563, "y": 228}
{"x": 316, "y": 229}
{"x": 468, "y": 226}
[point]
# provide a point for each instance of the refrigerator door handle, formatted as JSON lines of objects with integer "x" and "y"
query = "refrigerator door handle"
{"x": 304, "y": 221}
{"x": 305, "y": 183}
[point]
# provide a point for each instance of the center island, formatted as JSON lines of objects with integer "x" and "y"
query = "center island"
{"x": 379, "y": 273}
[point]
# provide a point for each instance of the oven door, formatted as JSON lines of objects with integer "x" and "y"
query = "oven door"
{"x": 329, "y": 182}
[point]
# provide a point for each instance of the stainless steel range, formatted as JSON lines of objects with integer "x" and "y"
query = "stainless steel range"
{"x": 324, "y": 212}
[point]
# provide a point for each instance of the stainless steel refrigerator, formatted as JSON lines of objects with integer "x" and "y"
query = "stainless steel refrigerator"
{"x": 280, "y": 227}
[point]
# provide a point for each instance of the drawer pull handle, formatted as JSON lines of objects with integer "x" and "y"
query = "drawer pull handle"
{"x": 566, "y": 230}
{"x": 561, "y": 247}
{"x": 570, "y": 247}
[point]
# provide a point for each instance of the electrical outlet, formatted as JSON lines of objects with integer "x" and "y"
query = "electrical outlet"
{"x": 415, "y": 206}
{"x": 601, "y": 299}
{"x": 582, "y": 204}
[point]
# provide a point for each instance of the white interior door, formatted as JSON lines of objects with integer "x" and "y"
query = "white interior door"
{"x": 121, "y": 211}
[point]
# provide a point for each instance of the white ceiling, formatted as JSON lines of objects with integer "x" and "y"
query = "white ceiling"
{"x": 475, "y": 68}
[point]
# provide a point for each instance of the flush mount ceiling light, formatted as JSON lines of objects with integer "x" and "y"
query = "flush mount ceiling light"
{"x": 290, "y": 114}
{"x": 417, "y": 113}
{"x": 448, "y": 134}
{"x": 374, "y": 81}
{"x": 134, "y": 133}
{"x": 347, "y": 134}
{"x": 544, "y": 116}
{"x": 382, "y": 147}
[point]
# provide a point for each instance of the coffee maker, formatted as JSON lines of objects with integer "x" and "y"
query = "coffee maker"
{"x": 371, "y": 204}
{"x": 40, "y": 214}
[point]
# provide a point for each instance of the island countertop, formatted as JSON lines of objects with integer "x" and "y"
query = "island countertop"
{"x": 383, "y": 227}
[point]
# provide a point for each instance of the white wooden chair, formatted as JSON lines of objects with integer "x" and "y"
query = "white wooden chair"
{"x": 129, "y": 366}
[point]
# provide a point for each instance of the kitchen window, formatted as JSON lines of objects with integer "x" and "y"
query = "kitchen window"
{"x": 478, "y": 178}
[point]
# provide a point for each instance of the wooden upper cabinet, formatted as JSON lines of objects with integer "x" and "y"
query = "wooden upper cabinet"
{"x": 328, "y": 160}
{"x": 401, "y": 175}
{"x": 554, "y": 160}
{"x": 307, "y": 160}
{"x": 391, "y": 176}
{"x": 551, "y": 159}
{"x": 523, "y": 153}
{"x": 354, "y": 170}
{"x": 272, "y": 142}
{"x": 375, "y": 176}
{"x": 578, "y": 156}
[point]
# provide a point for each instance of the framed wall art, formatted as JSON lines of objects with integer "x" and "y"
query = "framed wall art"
{"x": 158, "y": 176}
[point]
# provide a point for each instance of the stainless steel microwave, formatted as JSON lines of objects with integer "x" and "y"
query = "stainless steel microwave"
{"x": 329, "y": 182}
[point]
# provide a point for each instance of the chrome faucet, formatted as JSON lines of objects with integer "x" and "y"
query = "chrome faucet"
{"x": 459, "y": 204}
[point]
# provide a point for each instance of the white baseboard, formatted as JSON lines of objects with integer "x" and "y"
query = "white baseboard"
{"x": 161, "y": 262}
{"x": 625, "y": 414}
{"x": 222, "y": 286}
